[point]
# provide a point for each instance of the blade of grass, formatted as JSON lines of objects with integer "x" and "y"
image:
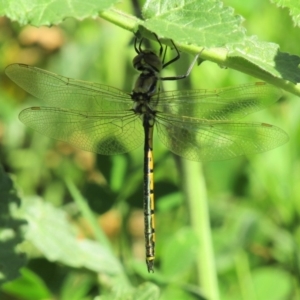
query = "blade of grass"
{"x": 121, "y": 281}
{"x": 87, "y": 213}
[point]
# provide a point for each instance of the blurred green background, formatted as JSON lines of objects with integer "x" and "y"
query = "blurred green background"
{"x": 254, "y": 202}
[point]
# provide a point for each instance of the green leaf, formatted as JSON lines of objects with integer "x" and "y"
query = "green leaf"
{"x": 179, "y": 253}
{"x": 265, "y": 57}
{"x": 10, "y": 230}
{"x": 51, "y": 232}
{"x": 204, "y": 23}
{"x": 29, "y": 286}
{"x": 173, "y": 291}
{"x": 146, "y": 291}
{"x": 44, "y": 12}
{"x": 196, "y": 24}
{"x": 265, "y": 279}
{"x": 293, "y": 6}
{"x": 192, "y": 24}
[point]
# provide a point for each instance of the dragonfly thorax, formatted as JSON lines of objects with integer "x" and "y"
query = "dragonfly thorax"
{"x": 141, "y": 95}
{"x": 149, "y": 64}
{"x": 145, "y": 85}
{"x": 144, "y": 90}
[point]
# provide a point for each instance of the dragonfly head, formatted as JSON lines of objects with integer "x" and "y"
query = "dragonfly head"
{"x": 147, "y": 60}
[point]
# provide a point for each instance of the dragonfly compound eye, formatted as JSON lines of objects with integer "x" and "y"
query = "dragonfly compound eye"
{"x": 147, "y": 61}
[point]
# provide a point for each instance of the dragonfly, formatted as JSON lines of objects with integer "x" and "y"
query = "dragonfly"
{"x": 198, "y": 125}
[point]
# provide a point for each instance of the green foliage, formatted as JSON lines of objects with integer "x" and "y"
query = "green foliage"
{"x": 205, "y": 23}
{"x": 44, "y": 12}
{"x": 59, "y": 243}
{"x": 263, "y": 280}
{"x": 29, "y": 286}
{"x": 293, "y": 6}
{"x": 83, "y": 230}
{"x": 10, "y": 230}
{"x": 184, "y": 241}
{"x": 266, "y": 57}
{"x": 143, "y": 292}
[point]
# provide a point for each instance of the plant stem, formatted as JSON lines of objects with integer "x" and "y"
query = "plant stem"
{"x": 195, "y": 193}
{"x": 121, "y": 19}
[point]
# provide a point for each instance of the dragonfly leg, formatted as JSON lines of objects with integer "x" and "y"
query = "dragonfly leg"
{"x": 178, "y": 77}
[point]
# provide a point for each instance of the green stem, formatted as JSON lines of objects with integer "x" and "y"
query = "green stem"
{"x": 121, "y": 19}
{"x": 195, "y": 193}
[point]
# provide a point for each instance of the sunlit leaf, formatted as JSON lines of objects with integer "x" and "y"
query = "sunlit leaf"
{"x": 51, "y": 232}
{"x": 204, "y": 23}
{"x": 265, "y": 279}
{"x": 266, "y": 57}
{"x": 28, "y": 287}
{"x": 44, "y": 12}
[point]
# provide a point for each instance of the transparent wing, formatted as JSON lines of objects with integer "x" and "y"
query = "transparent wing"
{"x": 102, "y": 133}
{"x": 63, "y": 92}
{"x": 205, "y": 140}
{"x": 220, "y": 104}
